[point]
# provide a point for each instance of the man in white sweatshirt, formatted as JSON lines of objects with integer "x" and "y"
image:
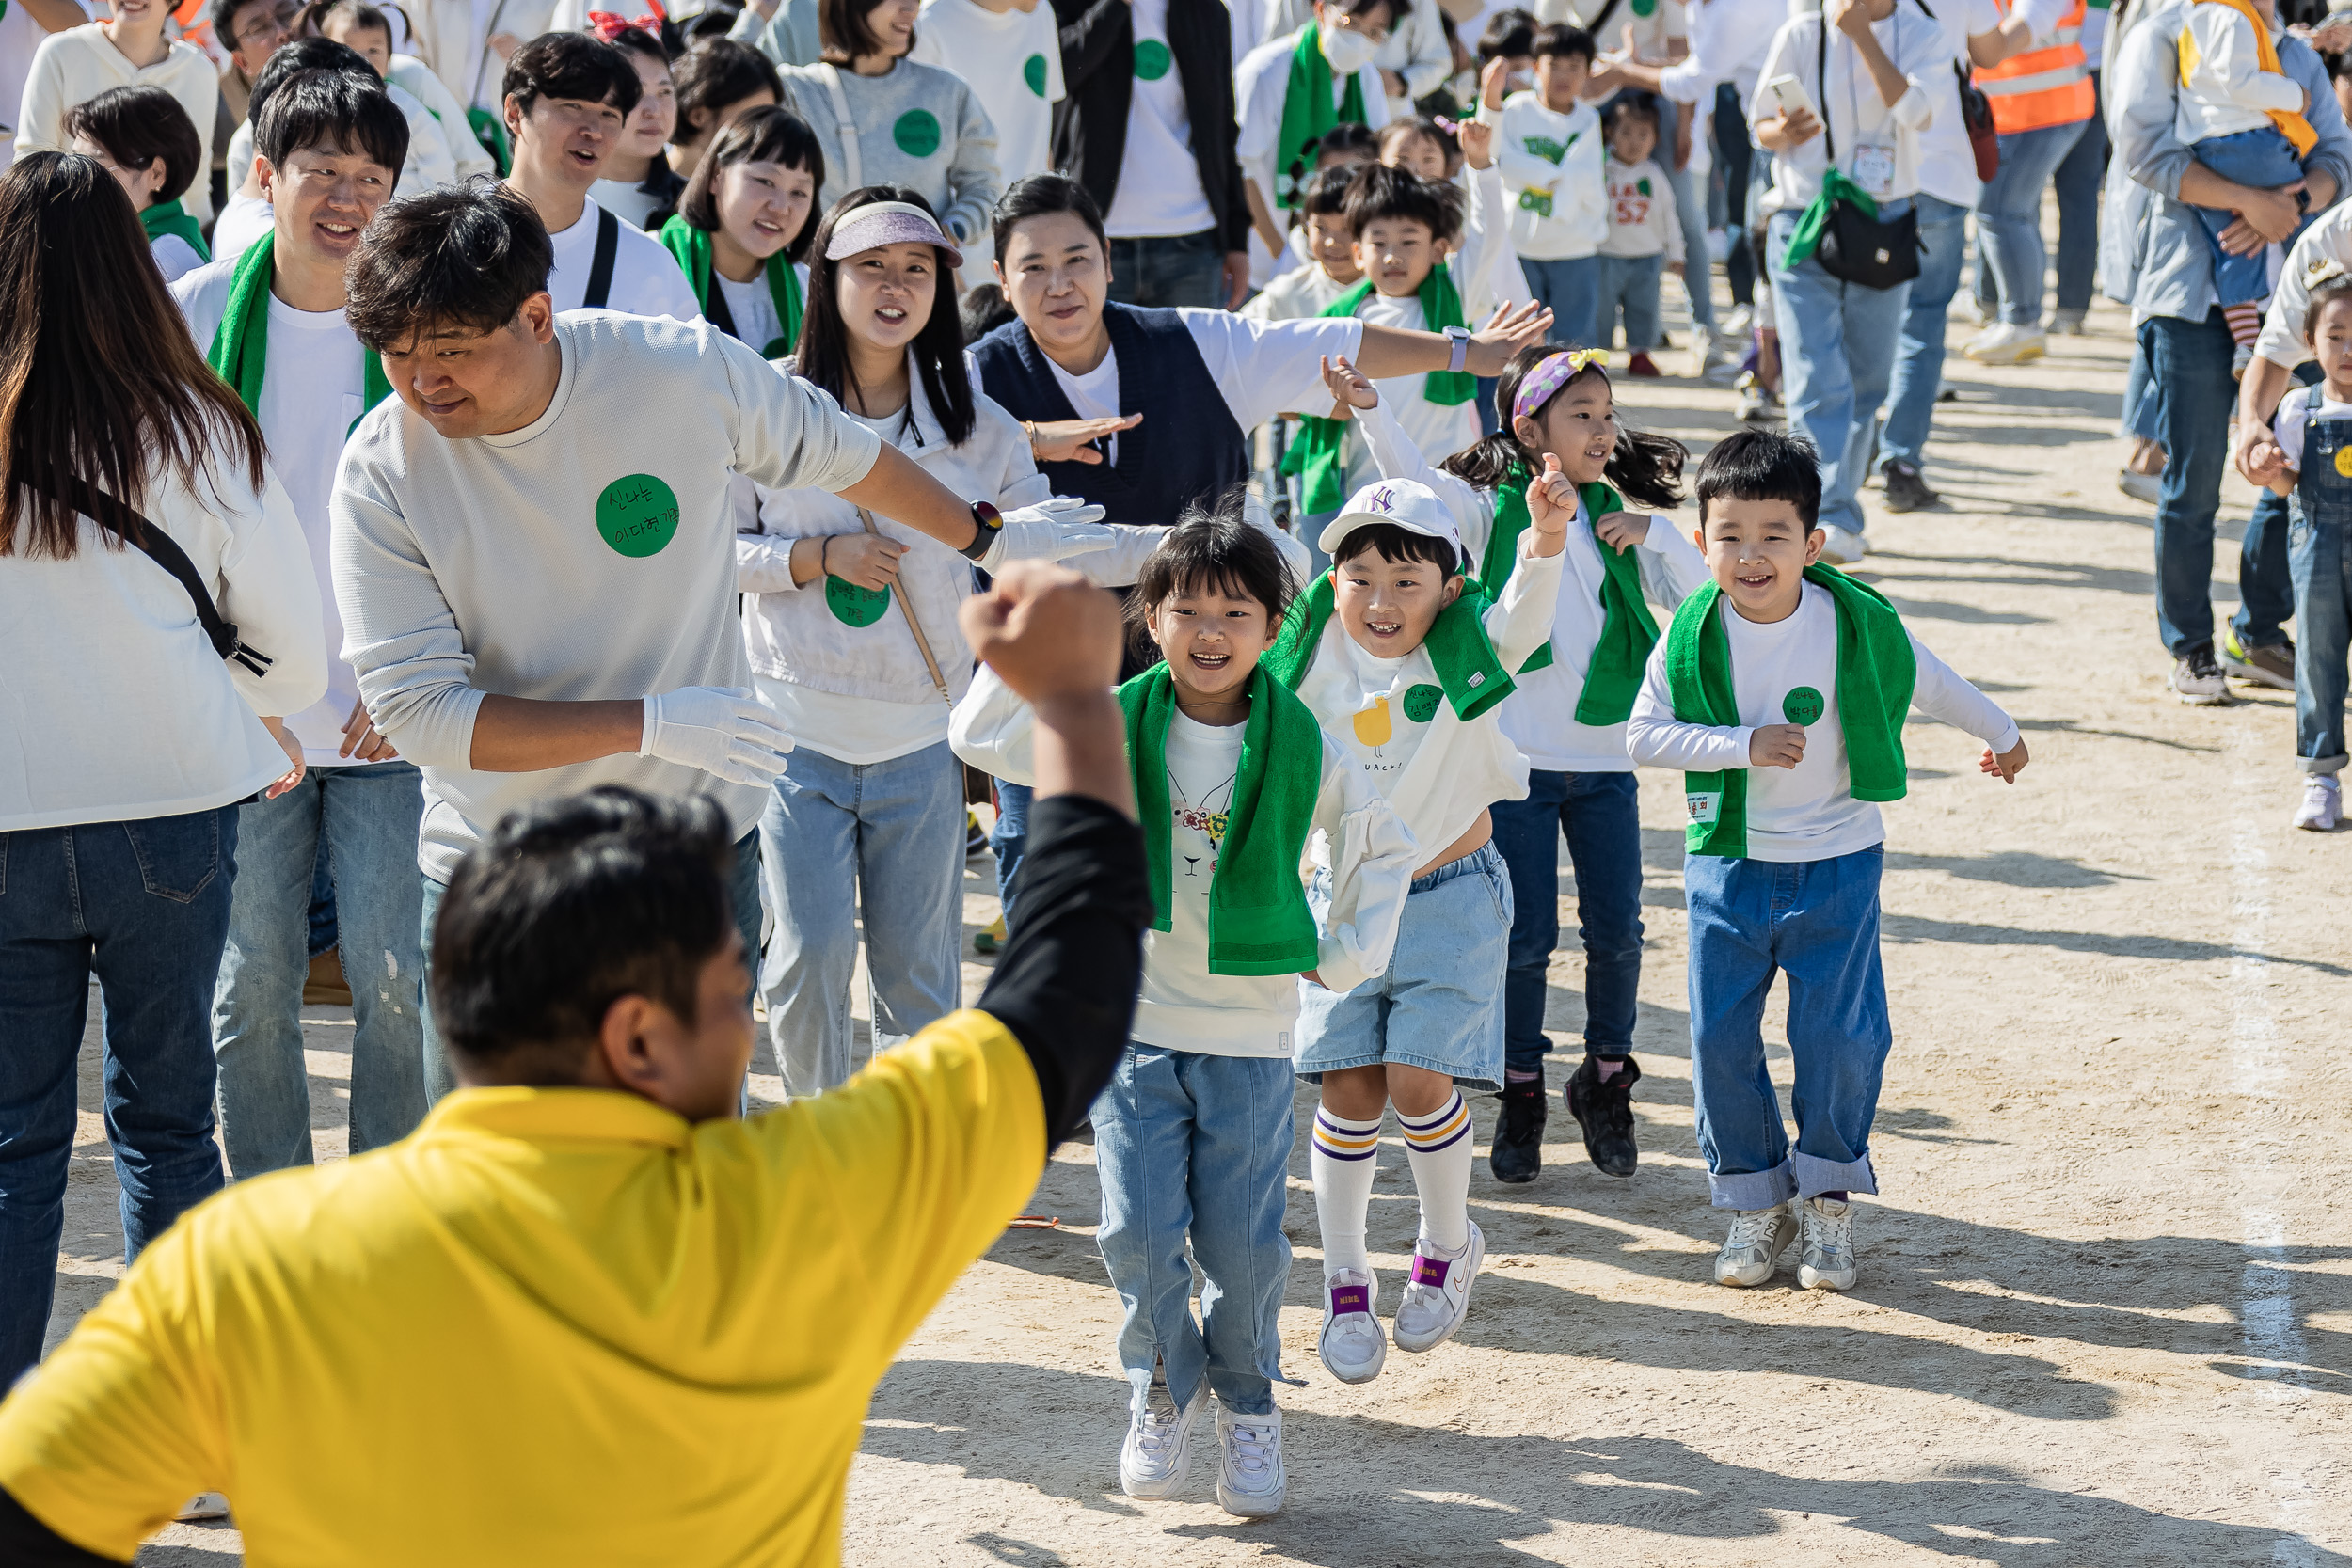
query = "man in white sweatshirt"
{"x": 535, "y": 542}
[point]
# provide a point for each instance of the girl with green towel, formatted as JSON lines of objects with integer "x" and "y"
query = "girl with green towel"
{"x": 1243, "y": 800}
{"x": 743, "y": 225}
{"x": 148, "y": 143}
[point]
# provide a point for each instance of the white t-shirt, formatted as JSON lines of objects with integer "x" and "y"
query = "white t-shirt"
{"x": 1729, "y": 39}
{"x": 1013, "y": 61}
{"x": 1879, "y": 143}
{"x": 2329, "y": 240}
{"x": 1642, "y": 220}
{"x": 174, "y": 257}
{"x": 646, "y": 278}
{"x": 623, "y": 199}
{"x": 1159, "y": 192}
{"x": 756, "y": 320}
{"x": 246, "y": 219}
{"x": 2293, "y": 409}
{"x": 1808, "y": 812}
{"x": 1947, "y": 164}
{"x": 1259, "y": 88}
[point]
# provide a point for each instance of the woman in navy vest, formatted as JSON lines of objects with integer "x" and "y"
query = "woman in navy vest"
{"x": 1197, "y": 381}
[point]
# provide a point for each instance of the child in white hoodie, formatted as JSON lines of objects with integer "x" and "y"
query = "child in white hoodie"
{"x": 1548, "y": 144}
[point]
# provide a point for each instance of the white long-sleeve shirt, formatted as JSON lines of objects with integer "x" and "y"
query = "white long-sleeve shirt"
{"x": 2227, "y": 89}
{"x": 1878, "y": 143}
{"x": 1357, "y": 839}
{"x": 1808, "y": 812}
{"x": 1260, "y": 83}
{"x": 430, "y": 161}
{"x": 589, "y": 555}
{"x": 113, "y": 704}
{"x": 1539, "y": 717}
{"x": 1729, "y": 39}
{"x": 1551, "y": 166}
{"x": 76, "y": 65}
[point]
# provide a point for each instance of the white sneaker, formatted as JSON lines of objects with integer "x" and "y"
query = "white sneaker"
{"x": 1438, "y": 1293}
{"x": 1354, "y": 1347}
{"x": 2322, "y": 804}
{"x": 2066, "y": 323}
{"x": 1154, "y": 1459}
{"x": 201, "y": 1508}
{"x": 1844, "y": 546}
{"x": 1825, "y": 1235}
{"x": 2145, "y": 488}
{"x": 1249, "y": 1480}
{"x": 2006, "y": 343}
{"x": 1752, "y": 1251}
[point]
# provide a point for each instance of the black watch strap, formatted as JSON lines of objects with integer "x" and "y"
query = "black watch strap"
{"x": 987, "y": 523}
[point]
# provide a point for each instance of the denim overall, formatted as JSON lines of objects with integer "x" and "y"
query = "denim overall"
{"x": 2319, "y": 516}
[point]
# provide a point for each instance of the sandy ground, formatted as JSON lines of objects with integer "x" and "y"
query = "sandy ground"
{"x": 2105, "y": 1308}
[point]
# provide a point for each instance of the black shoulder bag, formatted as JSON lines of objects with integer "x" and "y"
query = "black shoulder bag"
{"x": 109, "y": 513}
{"x": 1855, "y": 248}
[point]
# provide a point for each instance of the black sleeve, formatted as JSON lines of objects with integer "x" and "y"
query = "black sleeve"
{"x": 1066, "y": 986}
{"x": 26, "y": 1542}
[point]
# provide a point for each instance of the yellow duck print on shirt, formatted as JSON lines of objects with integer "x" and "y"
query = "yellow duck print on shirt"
{"x": 1373, "y": 724}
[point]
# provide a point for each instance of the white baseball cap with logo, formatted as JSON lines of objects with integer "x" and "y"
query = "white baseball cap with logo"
{"x": 1403, "y": 503}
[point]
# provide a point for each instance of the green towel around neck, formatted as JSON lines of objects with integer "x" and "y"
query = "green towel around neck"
{"x": 1308, "y": 114}
{"x": 490, "y": 132}
{"x": 1835, "y": 187}
{"x": 1464, "y": 656}
{"x": 1627, "y": 629}
{"x": 1259, "y": 922}
{"x": 691, "y": 246}
{"x": 1876, "y": 669}
{"x": 240, "y": 350}
{"x": 1318, "y": 447}
{"x": 169, "y": 217}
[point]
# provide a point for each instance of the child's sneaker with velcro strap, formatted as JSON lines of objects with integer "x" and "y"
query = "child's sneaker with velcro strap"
{"x": 1353, "y": 1345}
{"x": 1438, "y": 1294}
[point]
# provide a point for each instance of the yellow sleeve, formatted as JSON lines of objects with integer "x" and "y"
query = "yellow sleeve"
{"x": 107, "y": 1438}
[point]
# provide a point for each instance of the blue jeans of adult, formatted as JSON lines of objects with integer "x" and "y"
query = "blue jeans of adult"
{"x": 1599, "y": 814}
{"x": 1920, "y": 356}
{"x": 1572, "y": 288}
{"x": 1691, "y": 213}
{"x": 1008, "y": 840}
{"x": 2009, "y": 216}
{"x": 1191, "y": 1147}
{"x": 366, "y": 818}
{"x": 884, "y": 839}
{"x": 2076, "y": 184}
{"x": 1818, "y": 921}
{"x": 1837, "y": 357}
{"x": 2185, "y": 408}
{"x": 742, "y": 892}
{"x": 2322, "y": 567}
{"x": 1629, "y": 286}
{"x": 144, "y": 905}
{"x": 1170, "y": 270}
{"x": 2261, "y": 160}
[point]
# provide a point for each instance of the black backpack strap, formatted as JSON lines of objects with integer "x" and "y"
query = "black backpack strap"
{"x": 1820, "y": 85}
{"x": 600, "y": 267}
{"x": 109, "y": 513}
{"x": 719, "y": 314}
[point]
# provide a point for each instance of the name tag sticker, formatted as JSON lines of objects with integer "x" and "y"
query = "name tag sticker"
{"x": 1874, "y": 168}
{"x": 1705, "y": 808}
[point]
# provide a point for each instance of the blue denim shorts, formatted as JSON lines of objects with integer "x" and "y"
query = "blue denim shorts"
{"x": 1439, "y": 1006}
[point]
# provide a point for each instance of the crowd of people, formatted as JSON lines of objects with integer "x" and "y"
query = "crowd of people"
{"x": 567, "y": 516}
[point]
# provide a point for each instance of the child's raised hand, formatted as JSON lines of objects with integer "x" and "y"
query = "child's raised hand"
{"x": 1478, "y": 143}
{"x": 1621, "y": 530}
{"x": 2004, "y": 766}
{"x": 1551, "y": 506}
{"x": 1349, "y": 386}
{"x": 1776, "y": 746}
{"x": 1490, "y": 82}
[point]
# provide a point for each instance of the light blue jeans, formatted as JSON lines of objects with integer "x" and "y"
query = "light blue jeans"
{"x": 1697, "y": 271}
{"x": 1817, "y": 921}
{"x": 2009, "y": 216}
{"x": 1629, "y": 284}
{"x": 884, "y": 840}
{"x": 1572, "y": 288}
{"x": 366, "y": 818}
{"x": 1919, "y": 357}
{"x": 1837, "y": 357}
{"x": 1188, "y": 1145}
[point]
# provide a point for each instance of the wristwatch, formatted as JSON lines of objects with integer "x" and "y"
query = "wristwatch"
{"x": 987, "y": 523}
{"x": 2303, "y": 202}
{"x": 1460, "y": 336}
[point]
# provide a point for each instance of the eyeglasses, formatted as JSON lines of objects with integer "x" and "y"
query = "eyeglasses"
{"x": 269, "y": 29}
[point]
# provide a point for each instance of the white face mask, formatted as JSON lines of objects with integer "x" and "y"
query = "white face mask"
{"x": 1346, "y": 52}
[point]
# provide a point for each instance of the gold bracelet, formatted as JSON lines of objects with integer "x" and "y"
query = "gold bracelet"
{"x": 1030, "y": 425}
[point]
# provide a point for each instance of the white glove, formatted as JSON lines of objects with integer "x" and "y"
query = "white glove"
{"x": 1056, "y": 528}
{"x": 723, "y": 730}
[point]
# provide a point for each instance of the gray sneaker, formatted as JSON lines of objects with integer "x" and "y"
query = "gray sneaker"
{"x": 1825, "y": 1235}
{"x": 2197, "y": 680}
{"x": 1752, "y": 1251}
{"x": 1906, "y": 491}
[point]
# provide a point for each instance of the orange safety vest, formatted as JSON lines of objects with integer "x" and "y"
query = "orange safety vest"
{"x": 2043, "y": 87}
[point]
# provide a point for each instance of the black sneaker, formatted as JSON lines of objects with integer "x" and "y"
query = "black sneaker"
{"x": 1605, "y": 1112}
{"x": 1517, "y": 1152}
{"x": 1905, "y": 490}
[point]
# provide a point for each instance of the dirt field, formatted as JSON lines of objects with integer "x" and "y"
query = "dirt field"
{"x": 2105, "y": 1308}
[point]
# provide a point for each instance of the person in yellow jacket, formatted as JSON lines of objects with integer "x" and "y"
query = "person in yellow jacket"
{"x": 2041, "y": 99}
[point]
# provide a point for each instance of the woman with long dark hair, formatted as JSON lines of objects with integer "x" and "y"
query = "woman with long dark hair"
{"x": 130, "y": 738}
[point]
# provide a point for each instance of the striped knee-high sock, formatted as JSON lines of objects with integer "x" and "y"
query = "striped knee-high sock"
{"x": 1342, "y": 1157}
{"x": 1439, "y": 1148}
{"x": 2245, "y": 322}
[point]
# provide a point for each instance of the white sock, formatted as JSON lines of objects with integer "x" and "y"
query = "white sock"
{"x": 1343, "y": 1155}
{"x": 1440, "y": 1146}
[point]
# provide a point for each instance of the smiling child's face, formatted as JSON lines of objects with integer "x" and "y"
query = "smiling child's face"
{"x": 1212, "y": 635}
{"x": 1397, "y": 254}
{"x": 1389, "y": 605}
{"x": 1578, "y": 426}
{"x": 1757, "y": 551}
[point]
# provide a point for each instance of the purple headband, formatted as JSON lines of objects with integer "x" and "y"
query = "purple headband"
{"x": 881, "y": 223}
{"x": 1553, "y": 374}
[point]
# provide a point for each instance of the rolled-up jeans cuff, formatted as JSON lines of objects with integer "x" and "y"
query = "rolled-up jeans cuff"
{"x": 2329, "y": 766}
{"x": 1816, "y": 1176}
{"x": 1760, "y": 1189}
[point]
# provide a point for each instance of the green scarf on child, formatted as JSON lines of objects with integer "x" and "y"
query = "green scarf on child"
{"x": 240, "y": 350}
{"x": 1628, "y": 630}
{"x": 1876, "y": 669}
{"x": 1468, "y": 669}
{"x": 1318, "y": 449}
{"x": 169, "y": 217}
{"x": 1307, "y": 116}
{"x": 1814, "y": 220}
{"x": 691, "y": 246}
{"x": 1259, "y": 922}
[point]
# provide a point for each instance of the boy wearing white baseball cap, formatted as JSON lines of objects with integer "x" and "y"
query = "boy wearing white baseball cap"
{"x": 1403, "y": 661}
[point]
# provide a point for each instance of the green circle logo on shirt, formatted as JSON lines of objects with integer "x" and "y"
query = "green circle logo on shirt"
{"x": 1645, "y": 8}
{"x": 1420, "y": 703}
{"x": 853, "y": 606}
{"x": 637, "y": 514}
{"x": 1802, "y": 706}
{"x": 916, "y": 132}
{"x": 1033, "y": 72}
{"x": 1153, "y": 60}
